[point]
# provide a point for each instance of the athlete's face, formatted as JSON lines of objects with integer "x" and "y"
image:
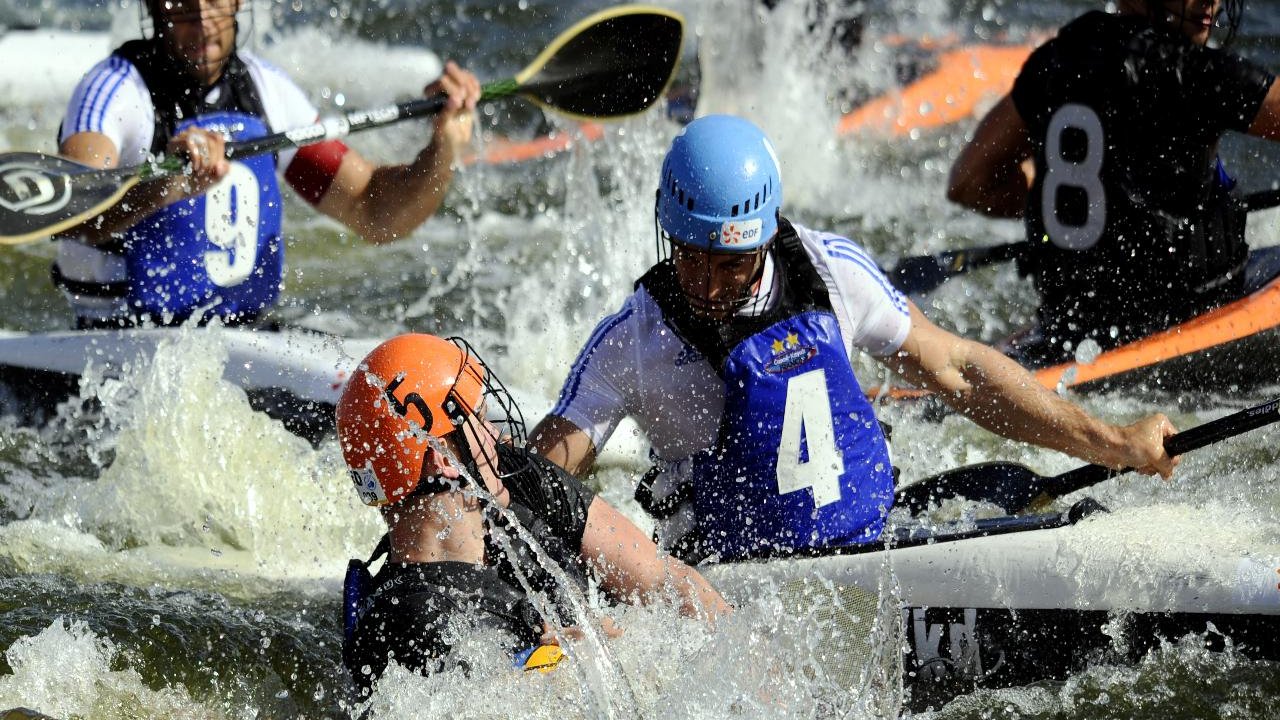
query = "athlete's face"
{"x": 1192, "y": 18}
{"x": 200, "y": 33}
{"x": 716, "y": 284}
{"x": 483, "y": 437}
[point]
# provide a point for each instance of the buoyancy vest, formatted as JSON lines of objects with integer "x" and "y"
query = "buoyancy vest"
{"x": 219, "y": 254}
{"x": 800, "y": 461}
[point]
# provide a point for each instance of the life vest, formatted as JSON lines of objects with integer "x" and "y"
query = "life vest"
{"x": 219, "y": 254}
{"x": 801, "y": 461}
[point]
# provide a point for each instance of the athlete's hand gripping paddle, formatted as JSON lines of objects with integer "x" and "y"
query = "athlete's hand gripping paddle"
{"x": 614, "y": 63}
{"x": 1016, "y": 487}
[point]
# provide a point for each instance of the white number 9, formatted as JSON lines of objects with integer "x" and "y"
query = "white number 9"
{"x": 231, "y": 225}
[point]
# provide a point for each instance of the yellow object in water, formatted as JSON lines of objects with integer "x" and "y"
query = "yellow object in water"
{"x": 543, "y": 658}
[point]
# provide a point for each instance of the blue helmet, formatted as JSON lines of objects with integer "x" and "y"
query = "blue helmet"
{"x": 720, "y": 188}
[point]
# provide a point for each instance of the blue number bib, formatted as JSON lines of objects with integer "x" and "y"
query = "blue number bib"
{"x": 219, "y": 254}
{"x": 802, "y": 461}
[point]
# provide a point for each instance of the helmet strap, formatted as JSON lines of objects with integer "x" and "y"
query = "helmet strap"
{"x": 661, "y": 245}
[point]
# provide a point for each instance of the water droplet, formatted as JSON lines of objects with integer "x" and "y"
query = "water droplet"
{"x": 1087, "y": 351}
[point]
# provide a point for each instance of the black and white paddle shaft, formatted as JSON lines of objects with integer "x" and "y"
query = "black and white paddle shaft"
{"x": 614, "y": 63}
{"x": 1015, "y": 487}
{"x": 925, "y": 273}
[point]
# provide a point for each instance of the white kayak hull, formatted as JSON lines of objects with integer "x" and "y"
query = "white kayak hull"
{"x": 1040, "y": 603}
{"x": 295, "y": 375}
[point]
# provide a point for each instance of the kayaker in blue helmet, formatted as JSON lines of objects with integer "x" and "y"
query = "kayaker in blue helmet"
{"x": 733, "y": 356}
{"x": 413, "y": 424}
{"x": 1107, "y": 149}
{"x": 209, "y": 243}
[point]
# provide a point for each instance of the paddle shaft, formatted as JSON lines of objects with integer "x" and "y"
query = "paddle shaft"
{"x": 336, "y": 127}
{"x": 1183, "y": 442}
{"x": 925, "y": 273}
{"x": 614, "y": 63}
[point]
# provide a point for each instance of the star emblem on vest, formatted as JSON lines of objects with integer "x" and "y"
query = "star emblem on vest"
{"x": 792, "y": 340}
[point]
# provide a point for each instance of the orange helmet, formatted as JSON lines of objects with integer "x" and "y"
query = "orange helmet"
{"x": 408, "y": 388}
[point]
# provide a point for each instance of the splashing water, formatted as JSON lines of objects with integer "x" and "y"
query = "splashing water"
{"x": 184, "y": 553}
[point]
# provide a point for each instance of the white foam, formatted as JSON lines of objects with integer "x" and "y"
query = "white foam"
{"x": 42, "y": 66}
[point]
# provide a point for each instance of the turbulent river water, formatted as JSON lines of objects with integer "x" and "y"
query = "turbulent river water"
{"x": 178, "y": 555}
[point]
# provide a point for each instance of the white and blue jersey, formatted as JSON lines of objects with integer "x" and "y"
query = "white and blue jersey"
{"x": 220, "y": 253}
{"x": 636, "y": 365}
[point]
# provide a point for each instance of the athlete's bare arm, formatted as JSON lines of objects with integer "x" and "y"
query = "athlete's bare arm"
{"x": 994, "y": 172}
{"x": 388, "y": 202}
{"x": 1267, "y": 122}
{"x": 564, "y": 444}
{"x": 630, "y": 567}
{"x": 204, "y": 151}
{"x": 1005, "y": 398}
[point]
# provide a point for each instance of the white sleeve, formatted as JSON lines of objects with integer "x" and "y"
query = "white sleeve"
{"x": 113, "y": 100}
{"x": 593, "y": 396}
{"x": 873, "y": 315}
{"x": 286, "y": 105}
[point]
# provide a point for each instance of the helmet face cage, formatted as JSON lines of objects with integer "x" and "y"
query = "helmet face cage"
{"x": 506, "y": 422}
{"x": 151, "y": 25}
{"x": 669, "y": 245}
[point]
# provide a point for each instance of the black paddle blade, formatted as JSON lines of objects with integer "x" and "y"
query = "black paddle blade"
{"x": 44, "y": 194}
{"x": 923, "y": 274}
{"x": 1006, "y": 484}
{"x": 616, "y": 62}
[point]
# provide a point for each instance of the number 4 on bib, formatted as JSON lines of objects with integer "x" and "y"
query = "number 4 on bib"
{"x": 807, "y": 424}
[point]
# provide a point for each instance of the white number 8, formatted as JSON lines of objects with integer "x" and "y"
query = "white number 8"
{"x": 1086, "y": 175}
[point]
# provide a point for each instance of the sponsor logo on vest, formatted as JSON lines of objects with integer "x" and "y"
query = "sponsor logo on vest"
{"x": 30, "y": 190}
{"x": 228, "y": 129}
{"x": 789, "y": 354}
{"x": 687, "y": 355}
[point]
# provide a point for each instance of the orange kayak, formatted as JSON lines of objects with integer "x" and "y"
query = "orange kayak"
{"x": 967, "y": 81}
{"x": 1227, "y": 339}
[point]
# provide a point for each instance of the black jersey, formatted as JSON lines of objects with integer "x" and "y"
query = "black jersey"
{"x": 1131, "y": 221}
{"x": 411, "y": 610}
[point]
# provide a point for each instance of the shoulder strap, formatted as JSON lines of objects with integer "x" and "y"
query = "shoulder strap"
{"x": 177, "y": 97}
{"x": 803, "y": 279}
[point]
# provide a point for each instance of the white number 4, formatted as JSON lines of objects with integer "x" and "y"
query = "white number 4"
{"x": 808, "y": 413}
